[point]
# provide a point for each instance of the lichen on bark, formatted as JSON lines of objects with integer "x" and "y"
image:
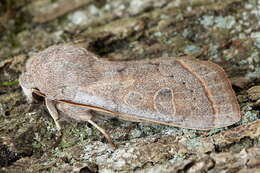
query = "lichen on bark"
{"x": 225, "y": 32}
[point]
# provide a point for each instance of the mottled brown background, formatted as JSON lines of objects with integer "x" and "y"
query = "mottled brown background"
{"x": 223, "y": 31}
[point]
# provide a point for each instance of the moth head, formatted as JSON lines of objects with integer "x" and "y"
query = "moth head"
{"x": 27, "y": 84}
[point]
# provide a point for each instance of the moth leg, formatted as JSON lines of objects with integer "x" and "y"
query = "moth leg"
{"x": 82, "y": 114}
{"x": 53, "y": 111}
{"x": 107, "y": 136}
{"x": 103, "y": 131}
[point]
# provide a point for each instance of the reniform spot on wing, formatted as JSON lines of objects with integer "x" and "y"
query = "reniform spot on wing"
{"x": 163, "y": 101}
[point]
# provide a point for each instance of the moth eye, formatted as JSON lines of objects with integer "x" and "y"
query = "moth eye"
{"x": 36, "y": 96}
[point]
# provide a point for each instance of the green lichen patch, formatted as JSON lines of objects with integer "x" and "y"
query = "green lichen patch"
{"x": 10, "y": 83}
{"x": 225, "y": 32}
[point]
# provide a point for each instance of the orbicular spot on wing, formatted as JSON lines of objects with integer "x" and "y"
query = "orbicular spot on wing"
{"x": 133, "y": 98}
{"x": 163, "y": 102}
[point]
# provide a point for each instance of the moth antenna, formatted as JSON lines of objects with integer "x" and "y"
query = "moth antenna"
{"x": 107, "y": 136}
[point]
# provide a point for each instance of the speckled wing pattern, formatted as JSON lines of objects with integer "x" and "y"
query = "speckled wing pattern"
{"x": 180, "y": 92}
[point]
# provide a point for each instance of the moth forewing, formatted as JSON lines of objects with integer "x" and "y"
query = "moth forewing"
{"x": 178, "y": 92}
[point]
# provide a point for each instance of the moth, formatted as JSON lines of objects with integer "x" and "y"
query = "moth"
{"x": 183, "y": 92}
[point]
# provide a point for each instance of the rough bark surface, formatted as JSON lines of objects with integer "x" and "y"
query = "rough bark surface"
{"x": 223, "y": 31}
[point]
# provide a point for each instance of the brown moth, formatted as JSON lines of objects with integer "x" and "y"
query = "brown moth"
{"x": 182, "y": 92}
